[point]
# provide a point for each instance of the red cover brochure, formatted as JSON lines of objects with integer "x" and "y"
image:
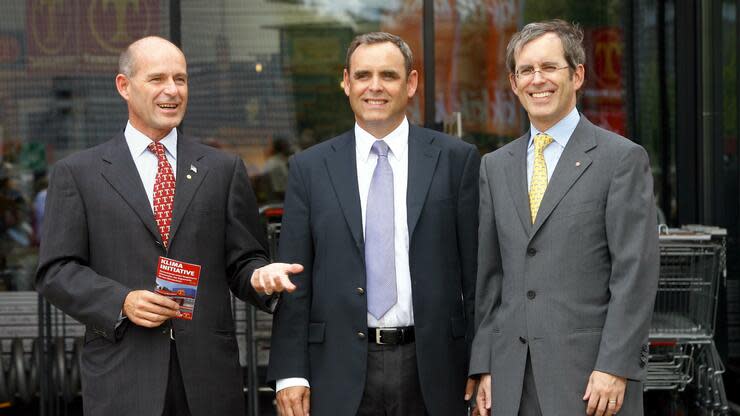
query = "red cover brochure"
{"x": 178, "y": 281}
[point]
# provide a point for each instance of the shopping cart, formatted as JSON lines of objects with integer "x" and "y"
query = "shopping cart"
{"x": 682, "y": 350}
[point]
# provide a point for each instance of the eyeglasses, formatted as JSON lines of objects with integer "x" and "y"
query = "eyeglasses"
{"x": 528, "y": 73}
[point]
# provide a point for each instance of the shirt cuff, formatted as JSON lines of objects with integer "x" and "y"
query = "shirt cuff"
{"x": 120, "y": 320}
{"x": 284, "y": 383}
{"x": 273, "y": 302}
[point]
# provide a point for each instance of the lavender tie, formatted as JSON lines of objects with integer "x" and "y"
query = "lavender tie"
{"x": 380, "y": 258}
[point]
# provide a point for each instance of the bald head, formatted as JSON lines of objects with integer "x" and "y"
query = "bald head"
{"x": 127, "y": 62}
{"x": 153, "y": 80}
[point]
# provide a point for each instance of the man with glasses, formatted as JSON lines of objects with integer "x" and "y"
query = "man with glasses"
{"x": 568, "y": 250}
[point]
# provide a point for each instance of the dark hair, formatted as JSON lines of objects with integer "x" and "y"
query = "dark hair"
{"x": 381, "y": 37}
{"x": 570, "y": 35}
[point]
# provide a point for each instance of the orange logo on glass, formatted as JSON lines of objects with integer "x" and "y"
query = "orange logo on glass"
{"x": 608, "y": 50}
{"x": 116, "y": 23}
{"x": 49, "y": 21}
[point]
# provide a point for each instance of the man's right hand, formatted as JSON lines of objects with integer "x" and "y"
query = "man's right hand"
{"x": 274, "y": 277}
{"x": 149, "y": 309}
{"x": 294, "y": 401}
{"x": 483, "y": 398}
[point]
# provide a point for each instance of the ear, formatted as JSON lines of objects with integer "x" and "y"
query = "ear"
{"x": 579, "y": 75}
{"x": 412, "y": 82}
{"x": 122, "y": 83}
{"x": 512, "y": 81}
{"x": 345, "y": 82}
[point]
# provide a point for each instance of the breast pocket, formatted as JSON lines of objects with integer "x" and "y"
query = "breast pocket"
{"x": 577, "y": 209}
{"x": 586, "y": 224}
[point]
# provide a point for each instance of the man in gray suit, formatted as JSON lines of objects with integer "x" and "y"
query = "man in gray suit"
{"x": 568, "y": 249}
{"x": 383, "y": 218}
{"x": 108, "y": 223}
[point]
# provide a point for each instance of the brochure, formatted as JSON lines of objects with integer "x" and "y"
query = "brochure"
{"x": 178, "y": 281}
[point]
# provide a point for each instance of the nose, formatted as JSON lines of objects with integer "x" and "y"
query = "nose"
{"x": 538, "y": 78}
{"x": 376, "y": 84}
{"x": 170, "y": 87}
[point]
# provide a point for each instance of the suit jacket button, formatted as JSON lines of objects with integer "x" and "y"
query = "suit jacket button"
{"x": 531, "y": 294}
{"x": 361, "y": 335}
{"x": 531, "y": 252}
{"x": 360, "y": 291}
{"x": 523, "y": 340}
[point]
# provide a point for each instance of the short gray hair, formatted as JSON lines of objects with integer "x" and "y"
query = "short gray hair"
{"x": 126, "y": 62}
{"x": 570, "y": 35}
{"x": 381, "y": 37}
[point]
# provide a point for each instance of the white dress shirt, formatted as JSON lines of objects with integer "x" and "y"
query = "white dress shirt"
{"x": 402, "y": 313}
{"x": 146, "y": 162}
{"x": 560, "y": 132}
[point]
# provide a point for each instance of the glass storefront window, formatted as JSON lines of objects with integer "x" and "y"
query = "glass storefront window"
{"x": 265, "y": 81}
{"x": 57, "y": 65}
{"x": 266, "y": 75}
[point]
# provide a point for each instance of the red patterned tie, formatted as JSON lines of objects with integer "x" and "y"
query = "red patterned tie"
{"x": 164, "y": 192}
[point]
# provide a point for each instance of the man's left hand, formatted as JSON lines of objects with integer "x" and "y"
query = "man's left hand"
{"x": 470, "y": 392}
{"x": 605, "y": 394}
{"x": 274, "y": 278}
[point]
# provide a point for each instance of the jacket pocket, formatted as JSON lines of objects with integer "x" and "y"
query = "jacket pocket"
{"x": 316, "y": 332}
{"x": 590, "y": 330}
{"x": 457, "y": 326}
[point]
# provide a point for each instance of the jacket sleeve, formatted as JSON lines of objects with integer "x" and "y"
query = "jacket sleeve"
{"x": 467, "y": 228}
{"x": 632, "y": 236}
{"x": 64, "y": 277}
{"x": 289, "y": 349}
{"x": 246, "y": 244}
{"x": 490, "y": 274}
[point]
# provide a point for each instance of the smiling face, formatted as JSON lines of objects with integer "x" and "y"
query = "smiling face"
{"x": 157, "y": 90}
{"x": 546, "y": 97}
{"x": 378, "y": 87}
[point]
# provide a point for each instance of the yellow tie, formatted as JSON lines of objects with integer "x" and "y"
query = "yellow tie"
{"x": 539, "y": 174}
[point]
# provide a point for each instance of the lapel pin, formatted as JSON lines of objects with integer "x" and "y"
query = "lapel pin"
{"x": 189, "y": 176}
{"x": 193, "y": 169}
{"x": 578, "y": 163}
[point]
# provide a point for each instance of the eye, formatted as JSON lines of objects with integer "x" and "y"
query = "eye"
{"x": 527, "y": 71}
{"x": 549, "y": 68}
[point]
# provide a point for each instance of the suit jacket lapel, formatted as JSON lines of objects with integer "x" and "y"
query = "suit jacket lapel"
{"x": 190, "y": 174}
{"x": 120, "y": 172}
{"x": 342, "y": 166}
{"x": 422, "y": 161}
{"x": 571, "y": 165}
{"x": 516, "y": 180}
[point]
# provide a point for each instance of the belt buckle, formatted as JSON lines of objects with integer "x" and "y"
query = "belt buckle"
{"x": 378, "y": 332}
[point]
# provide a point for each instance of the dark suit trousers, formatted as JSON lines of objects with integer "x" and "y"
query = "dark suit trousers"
{"x": 529, "y": 404}
{"x": 392, "y": 383}
{"x": 175, "y": 401}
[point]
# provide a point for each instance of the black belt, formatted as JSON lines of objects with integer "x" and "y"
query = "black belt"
{"x": 391, "y": 336}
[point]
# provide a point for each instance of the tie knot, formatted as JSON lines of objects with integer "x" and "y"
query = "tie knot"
{"x": 156, "y": 148}
{"x": 380, "y": 148}
{"x": 541, "y": 141}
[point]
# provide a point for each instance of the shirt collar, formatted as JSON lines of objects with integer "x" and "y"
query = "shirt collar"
{"x": 397, "y": 140}
{"x": 561, "y": 131}
{"x": 138, "y": 141}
